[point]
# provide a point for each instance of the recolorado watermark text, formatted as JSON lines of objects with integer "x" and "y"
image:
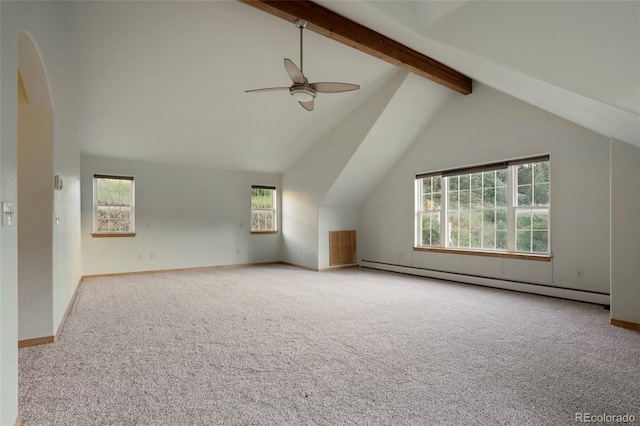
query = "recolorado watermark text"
{"x": 604, "y": 418}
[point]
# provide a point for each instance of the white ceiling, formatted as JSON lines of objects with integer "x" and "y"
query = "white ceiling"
{"x": 590, "y": 48}
{"x": 165, "y": 81}
{"x": 579, "y": 60}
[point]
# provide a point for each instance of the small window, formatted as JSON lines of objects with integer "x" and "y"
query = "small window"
{"x": 263, "y": 209}
{"x": 113, "y": 205}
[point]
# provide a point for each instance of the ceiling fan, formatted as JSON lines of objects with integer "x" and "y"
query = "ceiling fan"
{"x": 301, "y": 90}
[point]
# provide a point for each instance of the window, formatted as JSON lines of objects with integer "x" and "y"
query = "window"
{"x": 477, "y": 210}
{"x": 532, "y": 207}
{"x": 500, "y": 207}
{"x": 263, "y": 209}
{"x": 429, "y": 215}
{"x": 113, "y": 206}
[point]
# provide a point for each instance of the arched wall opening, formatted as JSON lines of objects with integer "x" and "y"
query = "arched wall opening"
{"x": 35, "y": 197}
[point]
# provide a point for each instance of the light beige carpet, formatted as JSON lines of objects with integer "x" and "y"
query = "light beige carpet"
{"x": 279, "y": 345}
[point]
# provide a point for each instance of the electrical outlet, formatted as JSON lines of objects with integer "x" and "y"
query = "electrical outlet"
{"x": 300, "y": 252}
{"x": 400, "y": 255}
{"x": 579, "y": 273}
{"x": 140, "y": 256}
{"x": 237, "y": 251}
{"x": 152, "y": 256}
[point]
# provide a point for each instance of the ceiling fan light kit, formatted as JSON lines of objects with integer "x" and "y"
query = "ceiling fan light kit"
{"x": 301, "y": 90}
{"x": 302, "y": 93}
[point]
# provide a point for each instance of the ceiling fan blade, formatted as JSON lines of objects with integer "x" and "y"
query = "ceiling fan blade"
{"x": 268, "y": 89}
{"x": 329, "y": 87}
{"x": 294, "y": 72}
{"x": 307, "y": 105}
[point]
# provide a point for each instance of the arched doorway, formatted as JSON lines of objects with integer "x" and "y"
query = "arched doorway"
{"x": 35, "y": 197}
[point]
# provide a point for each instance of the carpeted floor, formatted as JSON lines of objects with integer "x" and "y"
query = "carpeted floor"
{"x": 279, "y": 345}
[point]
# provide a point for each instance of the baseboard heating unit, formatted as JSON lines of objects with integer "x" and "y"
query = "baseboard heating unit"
{"x": 541, "y": 289}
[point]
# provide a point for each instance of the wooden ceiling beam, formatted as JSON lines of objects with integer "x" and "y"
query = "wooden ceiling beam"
{"x": 323, "y": 21}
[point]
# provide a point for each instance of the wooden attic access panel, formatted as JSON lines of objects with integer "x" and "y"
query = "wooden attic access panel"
{"x": 342, "y": 248}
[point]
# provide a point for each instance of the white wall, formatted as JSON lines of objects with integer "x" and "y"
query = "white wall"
{"x": 308, "y": 181}
{"x": 35, "y": 227}
{"x": 625, "y": 232}
{"x": 44, "y": 21}
{"x": 8, "y": 315}
{"x": 397, "y": 113}
{"x": 299, "y": 225}
{"x": 489, "y": 126}
{"x": 8, "y": 235}
{"x": 185, "y": 216}
{"x": 67, "y": 253}
{"x": 305, "y": 184}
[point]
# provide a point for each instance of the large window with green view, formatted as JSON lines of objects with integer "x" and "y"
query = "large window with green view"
{"x": 263, "y": 209}
{"x": 113, "y": 204}
{"x": 501, "y": 207}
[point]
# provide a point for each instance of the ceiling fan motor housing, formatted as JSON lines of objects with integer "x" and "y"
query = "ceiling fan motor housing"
{"x": 302, "y": 92}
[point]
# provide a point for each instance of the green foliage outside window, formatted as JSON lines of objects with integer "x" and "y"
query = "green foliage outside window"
{"x": 477, "y": 209}
{"x": 431, "y": 199}
{"x": 262, "y": 209}
{"x": 114, "y": 205}
{"x": 532, "y": 211}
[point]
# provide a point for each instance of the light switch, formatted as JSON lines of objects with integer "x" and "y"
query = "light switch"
{"x": 7, "y": 213}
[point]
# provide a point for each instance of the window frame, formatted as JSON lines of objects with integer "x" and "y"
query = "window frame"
{"x": 273, "y": 209}
{"x": 511, "y": 250}
{"x": 421, "y": 211}
{"x": 531, "y": 207}
{"x": 109, "y": 234}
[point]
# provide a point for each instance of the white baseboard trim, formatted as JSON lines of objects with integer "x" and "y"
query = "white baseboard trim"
{"x": 543, "y": 290}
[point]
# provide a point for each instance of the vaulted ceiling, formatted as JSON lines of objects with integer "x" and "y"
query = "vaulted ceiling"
{"x": 165, "y": 81}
